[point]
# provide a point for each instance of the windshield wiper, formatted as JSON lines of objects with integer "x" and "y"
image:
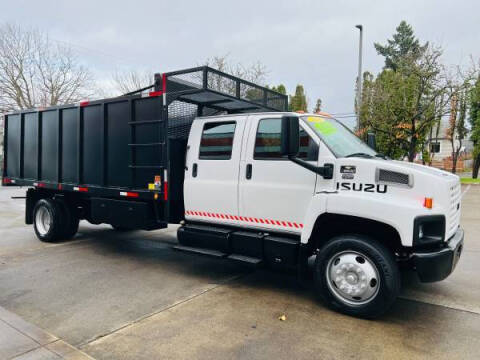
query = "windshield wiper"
{"x": 360, "y": 154}
{"x": 383, "y": 156}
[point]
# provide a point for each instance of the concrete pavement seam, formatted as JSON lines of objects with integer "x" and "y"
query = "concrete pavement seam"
{"x": 465, "y": 191}
{"x": 24, "y": 334}
{"x": 147, "y": 316}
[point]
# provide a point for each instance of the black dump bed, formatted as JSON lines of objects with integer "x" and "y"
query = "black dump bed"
{"x": 112, "y": 146}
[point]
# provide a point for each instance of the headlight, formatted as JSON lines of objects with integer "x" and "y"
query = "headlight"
{"x": 428, "y": 230}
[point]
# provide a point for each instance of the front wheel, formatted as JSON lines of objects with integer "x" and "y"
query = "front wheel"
{"x": 357, "y": 275}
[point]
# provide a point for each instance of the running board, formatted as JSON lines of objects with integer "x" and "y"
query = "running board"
{"x": 251, "y": 261}
{"x": 201, "y": 251}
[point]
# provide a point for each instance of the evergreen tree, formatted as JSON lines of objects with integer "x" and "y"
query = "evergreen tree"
{"x": 298, "y": 102}
{"x": 404, "y": 44}
{"x": 475, "y": 125}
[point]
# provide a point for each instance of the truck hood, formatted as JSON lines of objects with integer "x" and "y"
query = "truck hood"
{"x": 424, "y": 181}
{"x": 426, "y": 170}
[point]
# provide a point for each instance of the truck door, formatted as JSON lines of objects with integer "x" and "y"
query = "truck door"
{"x": 275, "y": 193}
{"x": 212, "y": 169}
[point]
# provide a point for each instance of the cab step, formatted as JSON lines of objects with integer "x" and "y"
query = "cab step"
{"x": 201, "y": 251}
{"x": 251, "y": 261}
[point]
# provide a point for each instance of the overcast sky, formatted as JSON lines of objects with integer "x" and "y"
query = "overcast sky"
{"x": 313, "y": 42}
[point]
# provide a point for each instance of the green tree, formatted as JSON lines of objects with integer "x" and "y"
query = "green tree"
{"x": 298, "y": 102}
{"x": 280, "y": 89}
{"x": 404, "y": 44}
{"x": 401, "y": 106}
{"x": 457, "y": 130}
{"x": 475, "y": 125}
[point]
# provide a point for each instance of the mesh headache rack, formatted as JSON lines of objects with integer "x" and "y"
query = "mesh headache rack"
{"x": 212, "y": 89}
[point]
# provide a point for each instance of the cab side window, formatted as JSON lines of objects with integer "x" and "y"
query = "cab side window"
{"x": 217, "y": 141}
{"x": 267, "y": 142}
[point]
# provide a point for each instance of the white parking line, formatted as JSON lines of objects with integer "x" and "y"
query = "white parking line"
{"x": 465, "y": 191}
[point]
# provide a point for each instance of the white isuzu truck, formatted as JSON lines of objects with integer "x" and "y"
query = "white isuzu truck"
{"x": 270, "y": 188}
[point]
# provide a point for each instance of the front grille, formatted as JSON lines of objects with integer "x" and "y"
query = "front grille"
{"x": 454, "y": 211}
{"x": 393, "y": 177}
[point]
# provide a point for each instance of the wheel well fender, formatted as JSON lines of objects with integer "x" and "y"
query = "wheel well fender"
{"x": 329, "y": 225}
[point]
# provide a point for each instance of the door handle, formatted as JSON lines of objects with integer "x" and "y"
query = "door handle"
{"x": 248, "y": 173}
{"x": 194, "y": 170}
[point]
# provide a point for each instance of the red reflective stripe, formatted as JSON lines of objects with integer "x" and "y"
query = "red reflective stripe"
{"x": 84, "y": 103}
{"x": 164, "y": 83}
{"x": 132, "y": 194}
{"x": 165, "y": 191}
{"x": 155, "y": 93}
{"x": 226, "y": 216}
{"x": 7, "y": 181}
{"x": 83, "y": 189}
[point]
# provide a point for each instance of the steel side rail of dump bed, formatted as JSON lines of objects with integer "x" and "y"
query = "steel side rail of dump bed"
{"x": 114, "y": 148}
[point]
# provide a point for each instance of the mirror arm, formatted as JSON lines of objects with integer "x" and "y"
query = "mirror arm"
{"x": 326, "y": 171}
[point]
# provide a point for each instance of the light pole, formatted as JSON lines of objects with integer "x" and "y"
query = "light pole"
{"x": 359, "y": 79}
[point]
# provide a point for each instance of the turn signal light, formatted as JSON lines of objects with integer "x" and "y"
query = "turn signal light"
{"x": 428, "y": 203}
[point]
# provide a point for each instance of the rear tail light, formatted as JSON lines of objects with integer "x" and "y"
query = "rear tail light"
{"x": 129, "y": 194}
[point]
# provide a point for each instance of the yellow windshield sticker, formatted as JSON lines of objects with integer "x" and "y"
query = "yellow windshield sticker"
{"x": 325, "y": 128}
{"x": 315, "y": 119}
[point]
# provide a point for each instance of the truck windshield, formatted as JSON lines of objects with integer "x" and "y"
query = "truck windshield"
{"x": 338, "y": 138}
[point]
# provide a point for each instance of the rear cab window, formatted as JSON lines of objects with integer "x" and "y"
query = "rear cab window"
{"x": 216, "y": 142}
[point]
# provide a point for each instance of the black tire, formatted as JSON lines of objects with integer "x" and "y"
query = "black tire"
{"x": 336, "y": 252}
{"x": 48, "y": 208}
{"x": 71, "y": 220}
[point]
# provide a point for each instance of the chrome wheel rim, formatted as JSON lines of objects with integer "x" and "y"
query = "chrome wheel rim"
{"x": 43, "y": 220}
{"x": 352, "y": 278}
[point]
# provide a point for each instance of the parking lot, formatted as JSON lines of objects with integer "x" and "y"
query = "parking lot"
{"x": 112, "y": 295}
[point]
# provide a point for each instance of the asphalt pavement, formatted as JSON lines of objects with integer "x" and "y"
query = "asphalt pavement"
{"x": 128, "y": 295}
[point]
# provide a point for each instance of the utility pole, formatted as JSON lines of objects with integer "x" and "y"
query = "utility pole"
{"x": 359, "y": 79}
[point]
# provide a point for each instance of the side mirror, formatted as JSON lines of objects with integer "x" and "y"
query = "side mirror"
{"x": 290, "y": 136}
{"x": 372, "y": 141}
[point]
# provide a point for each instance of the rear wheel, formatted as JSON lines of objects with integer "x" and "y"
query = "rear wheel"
{"x": 48, "y": 220}
{"x": 71, "y": 220}
{"x": 357, "y": 275}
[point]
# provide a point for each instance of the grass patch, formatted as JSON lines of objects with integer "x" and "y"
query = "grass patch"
{"x": 469, "y": 181}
